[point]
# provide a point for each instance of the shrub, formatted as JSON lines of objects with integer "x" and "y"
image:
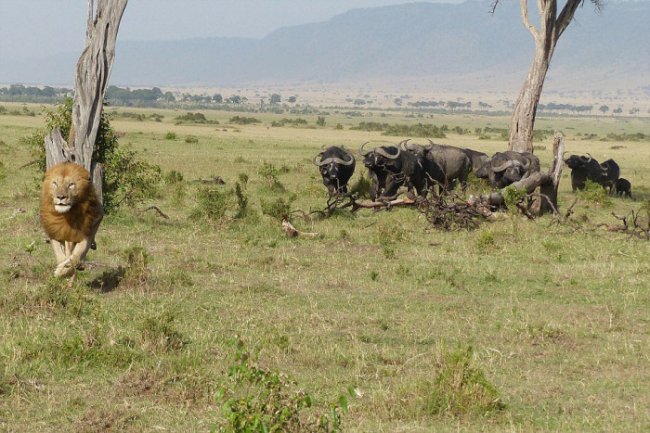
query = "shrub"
{"x": 191, "y": 139}
{"x": 512, "y": 196}
{"x": 262, "y": 401}
{"x": 170, "y": 136}
{"x": 485, "y": 240}
{"x": 137, "y": 263}
{"x": 172, "y": 177}
{"x": 292, "y": 122}
{"x": 595, "y": 193}
{"x": 127, "y": 180}
{"x": 195, "y": 118}
{"x": 242, "y": 200}
{"x": 459, "y": 388}
{"x": 278, "y": 208}
{"x": 241, "y": 120}
{"x": 212, "y": 204}
{"x": 158, "y": 333}
{"x": 269, "y": 173}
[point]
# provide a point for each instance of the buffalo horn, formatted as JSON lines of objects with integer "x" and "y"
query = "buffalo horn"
{"x": 361, "y": 152}
{"x": 385, "y": 154}
{"x": 320, "y": 155}
{"x": 503, "y": 166}
{"x": 343, "y": 162}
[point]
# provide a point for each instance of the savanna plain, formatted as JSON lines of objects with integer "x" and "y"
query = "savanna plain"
{"x": 382, "y": 320}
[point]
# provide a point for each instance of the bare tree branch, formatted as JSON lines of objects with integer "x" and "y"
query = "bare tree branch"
{"x": 566, "y": 16}
{"x": 524, "y": 16}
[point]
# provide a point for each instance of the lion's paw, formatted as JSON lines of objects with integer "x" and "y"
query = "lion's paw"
{"x": 65, "y": 269}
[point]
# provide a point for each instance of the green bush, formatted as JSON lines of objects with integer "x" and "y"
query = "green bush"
{"x": 159, "y": 334}
{"x": 195, "y": 118}
{"x": 172, "y": 177}
{"x": 170, "y": 136}
{"x": 241, "y": 120}
{"x": 264, "y": 401}
{"x": 191, "y": 139}
{"x": 127, "y": 179}
{"x": 291, "y": 122}
{"x": 461, "y": 389}
{"x": 269, "y": 173}
{"x": 595, "y": 193}
{"x": 212, "y": 204}
{"x": 278, "y": 208}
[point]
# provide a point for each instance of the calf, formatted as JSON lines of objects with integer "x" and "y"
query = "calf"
{"x": 623, "y": 187}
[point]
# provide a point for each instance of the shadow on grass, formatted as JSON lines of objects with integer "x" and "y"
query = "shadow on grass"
{"x": 108, "y": 280}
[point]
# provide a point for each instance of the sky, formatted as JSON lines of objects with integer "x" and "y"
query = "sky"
{"x": 33, "y": 28}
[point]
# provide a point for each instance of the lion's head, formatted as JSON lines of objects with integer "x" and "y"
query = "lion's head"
{"x": 67, "y": 184}
{"x": 69, "y": 206}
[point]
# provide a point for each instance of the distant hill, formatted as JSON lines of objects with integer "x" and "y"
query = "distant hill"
{"x": 456, "y": 44}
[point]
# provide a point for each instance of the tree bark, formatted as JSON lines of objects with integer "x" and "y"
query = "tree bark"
{"x": 523, "y": 116}
{"x": 91, "y": 79}
{"x": 92, "y": 73}
{"x": 550, "y": 29}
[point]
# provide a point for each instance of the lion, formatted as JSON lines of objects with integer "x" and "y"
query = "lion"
{"x": 70, "y": 214}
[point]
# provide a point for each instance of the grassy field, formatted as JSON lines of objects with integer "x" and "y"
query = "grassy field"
{"x": 516, "y": 326}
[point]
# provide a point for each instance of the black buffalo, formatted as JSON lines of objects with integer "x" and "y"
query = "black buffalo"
{"x": 611, "y": 174}
{"x": 585, "y": 168}
{"x": 623, "y": 187}
{"x": 444, "y": 165}
{"x": 478, "y": 160}
{"x": 505, "y": 168}
{"x": 390, "y": 167}
{"x": 336, "y": 167}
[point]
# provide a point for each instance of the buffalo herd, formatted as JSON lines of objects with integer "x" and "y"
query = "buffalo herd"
{"x": 421, "y": 167}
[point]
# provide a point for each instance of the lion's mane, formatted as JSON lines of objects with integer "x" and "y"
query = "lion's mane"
{"x": 77, "y": 223}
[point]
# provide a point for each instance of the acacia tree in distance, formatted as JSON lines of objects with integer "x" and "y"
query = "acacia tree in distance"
{"x": 551, "y": 27}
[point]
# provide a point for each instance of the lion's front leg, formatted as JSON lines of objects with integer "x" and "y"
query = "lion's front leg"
{"x": 60, "y": 251}
{"x": 78, "y": 252}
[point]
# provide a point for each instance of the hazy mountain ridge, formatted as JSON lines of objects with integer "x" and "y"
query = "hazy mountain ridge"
{"x": 411, "y": 40}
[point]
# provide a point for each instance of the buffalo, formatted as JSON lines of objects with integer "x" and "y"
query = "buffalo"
{"x": 443, "y": 164}
{"x": 478, "y": 159}
{"x": 505, "y": 168}
{"x": 336, "y": 167}
{"x": 585, "y": 168}
{"x": 390, "y": 168}
{"x": 610, "y": 175}
{"x": 623, "y": 187}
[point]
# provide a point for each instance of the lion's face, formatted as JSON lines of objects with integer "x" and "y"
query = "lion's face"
{"x": 68, "y": 184}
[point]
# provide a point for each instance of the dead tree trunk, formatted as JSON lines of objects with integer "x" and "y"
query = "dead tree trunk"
{"x": 91, "y": 79}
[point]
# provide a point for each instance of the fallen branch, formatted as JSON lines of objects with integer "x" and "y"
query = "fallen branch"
{"x": 383, "y": 204}
{"x": 158, "y": 211}
{"x": 450, "y": 212}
